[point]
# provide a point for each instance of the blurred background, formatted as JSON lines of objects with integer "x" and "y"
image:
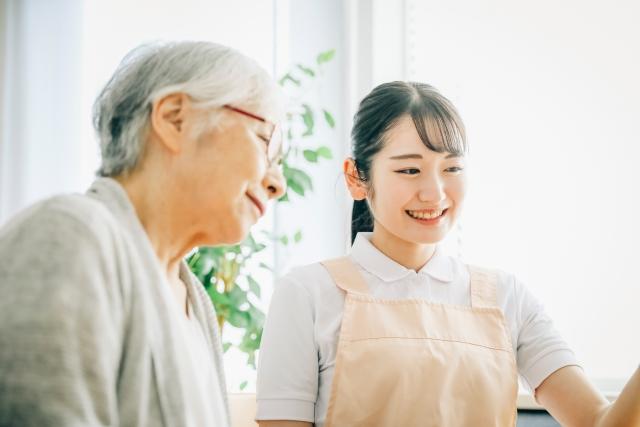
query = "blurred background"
{"x": 549, "y": 91}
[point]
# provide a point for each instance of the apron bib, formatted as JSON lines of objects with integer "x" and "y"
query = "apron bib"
{"x": 411, "y": 362}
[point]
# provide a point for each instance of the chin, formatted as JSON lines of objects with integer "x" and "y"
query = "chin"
{"x": 237, "y": 235}
{"x": 423, "y": 238}
{"x": 228, "y": 236}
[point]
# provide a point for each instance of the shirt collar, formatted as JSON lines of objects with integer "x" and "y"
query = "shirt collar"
{"x": 439, "y": 267}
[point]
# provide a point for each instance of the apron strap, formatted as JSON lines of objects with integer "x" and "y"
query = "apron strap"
{"x": 483, "y": 287}
{"x": 346, "y": 275}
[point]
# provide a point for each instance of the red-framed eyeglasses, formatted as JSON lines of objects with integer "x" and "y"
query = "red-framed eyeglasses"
{"x": 274, "y": 144}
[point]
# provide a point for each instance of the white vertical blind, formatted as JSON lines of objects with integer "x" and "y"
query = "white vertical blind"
{"x": 550, "y": 93}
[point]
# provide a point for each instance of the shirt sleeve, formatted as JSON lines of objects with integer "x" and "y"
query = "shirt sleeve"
{"x": 60, "y": 325}
{"x": 287, "y": 385}
{"x": 541, "y": 350}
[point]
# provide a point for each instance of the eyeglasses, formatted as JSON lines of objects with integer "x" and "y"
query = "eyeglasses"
{"x": 274, "y": 144}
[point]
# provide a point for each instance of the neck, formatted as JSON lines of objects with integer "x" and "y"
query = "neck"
{"x": 411, "y": 255}
{"x": 161, "y": 218}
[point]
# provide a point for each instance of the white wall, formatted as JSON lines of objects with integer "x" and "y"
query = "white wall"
{"x": 551, "y": 97}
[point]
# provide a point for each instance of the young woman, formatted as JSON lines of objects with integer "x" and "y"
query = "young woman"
{"x": 397, "y": 333}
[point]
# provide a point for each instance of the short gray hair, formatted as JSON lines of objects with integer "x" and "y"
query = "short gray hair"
{"x": 212, "y": 75}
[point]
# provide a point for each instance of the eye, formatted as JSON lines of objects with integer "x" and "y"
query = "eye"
{"x": 409, "y": 171}
{"x": 454, "y": 169}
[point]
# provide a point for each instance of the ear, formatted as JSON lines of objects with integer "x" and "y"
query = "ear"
{"x": 356, "y": 186}
{"x": 168, "y": 116}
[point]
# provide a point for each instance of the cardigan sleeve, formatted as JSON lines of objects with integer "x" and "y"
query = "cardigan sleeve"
{"x": 61, "y": 321}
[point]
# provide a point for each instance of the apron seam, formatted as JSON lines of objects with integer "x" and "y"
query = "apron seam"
{"x": 431, "y": 339}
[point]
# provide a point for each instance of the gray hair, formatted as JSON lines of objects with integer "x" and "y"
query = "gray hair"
{"x": 212, "y": 75}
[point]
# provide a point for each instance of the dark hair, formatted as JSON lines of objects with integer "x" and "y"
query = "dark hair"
{"x": 435, "y": 118}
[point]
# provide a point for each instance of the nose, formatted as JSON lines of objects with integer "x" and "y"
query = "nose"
{"x": 432, "y": 189}
{"x": 274, "y": 182}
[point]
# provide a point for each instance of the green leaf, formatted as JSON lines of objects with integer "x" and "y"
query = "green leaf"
{"x": 288, "y": 78}
{"x": 239, "y": 319}
{"x": 325, "y": 57}
{"x": 329, "y": 118}
{"x": 226, "y": 346}
{"x": 310, "y": 155}
{"x": 237, "y": 296}
{"x": 298, "y": 236}
{"x": 284, "y": 198}
{"x": 265, "y": 266}
{"x": 254, "y": 286}
{"x": 308, "y": 71}
{"x": 324, "y": 152}
{"x": 250, "y": 241}
{"x": 243, "y": 385}
{"x": 284, "y": 240}
{"x": 295, "y": 187}
{"x": 251, "y": 360}
{"x": 193, "y": 259}
{"x": 300, "y": 177}
{"x": 219, "y": 299}
{"x": 307, "y": 119}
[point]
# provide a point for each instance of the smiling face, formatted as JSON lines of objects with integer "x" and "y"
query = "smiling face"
{"x": 230, "y": 181}
{"x": 414, "y": 193}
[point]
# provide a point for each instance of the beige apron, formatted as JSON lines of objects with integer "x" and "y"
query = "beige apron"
{"x": 411, "y": 362}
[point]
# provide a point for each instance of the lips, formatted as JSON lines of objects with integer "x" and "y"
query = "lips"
{"x": 257, "y": 203}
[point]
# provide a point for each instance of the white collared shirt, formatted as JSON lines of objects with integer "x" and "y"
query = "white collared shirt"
{"x": 299, "y": 343}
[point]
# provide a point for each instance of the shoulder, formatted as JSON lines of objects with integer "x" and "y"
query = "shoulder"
{"x": 312, "y": 278}
{"x": 57, "y": 274}
{"x": 72, "y": 215}
{"x": 517, "y": 301}
{"x": 61, "y": 246}
{"x": 307, "y": 284}
{"x": 309, "y": 275}
{"x": 508, "y": 287}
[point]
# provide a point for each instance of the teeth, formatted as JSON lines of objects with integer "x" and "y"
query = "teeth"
{"x": 425, "y": 214}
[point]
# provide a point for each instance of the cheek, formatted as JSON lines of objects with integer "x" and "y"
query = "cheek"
{"x": 457, "y": 190}
{"x": 392, "y": 195}
{"x": 235, "y": 163}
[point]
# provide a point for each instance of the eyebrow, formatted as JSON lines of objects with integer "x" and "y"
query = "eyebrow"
{"x": 419, "y": 156}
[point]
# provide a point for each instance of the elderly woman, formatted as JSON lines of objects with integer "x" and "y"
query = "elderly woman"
{"x": 101, "y": 322}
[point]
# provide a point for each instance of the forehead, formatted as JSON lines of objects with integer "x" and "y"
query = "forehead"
{"x": 268, "y": 104}
{"x": 403, "y": 136}
{"x": 403, "y": 140}
{"x": 256, "y": 115}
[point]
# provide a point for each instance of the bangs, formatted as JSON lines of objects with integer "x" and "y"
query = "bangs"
{"x": 439, "y": 126}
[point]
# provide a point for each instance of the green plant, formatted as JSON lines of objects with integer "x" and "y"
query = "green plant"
{"x": 232, "y": 288}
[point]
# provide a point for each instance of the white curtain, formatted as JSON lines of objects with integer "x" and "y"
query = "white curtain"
{"x": 40, "y": 146}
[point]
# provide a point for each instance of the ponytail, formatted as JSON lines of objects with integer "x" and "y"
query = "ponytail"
{"x": 361, "y": 219}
